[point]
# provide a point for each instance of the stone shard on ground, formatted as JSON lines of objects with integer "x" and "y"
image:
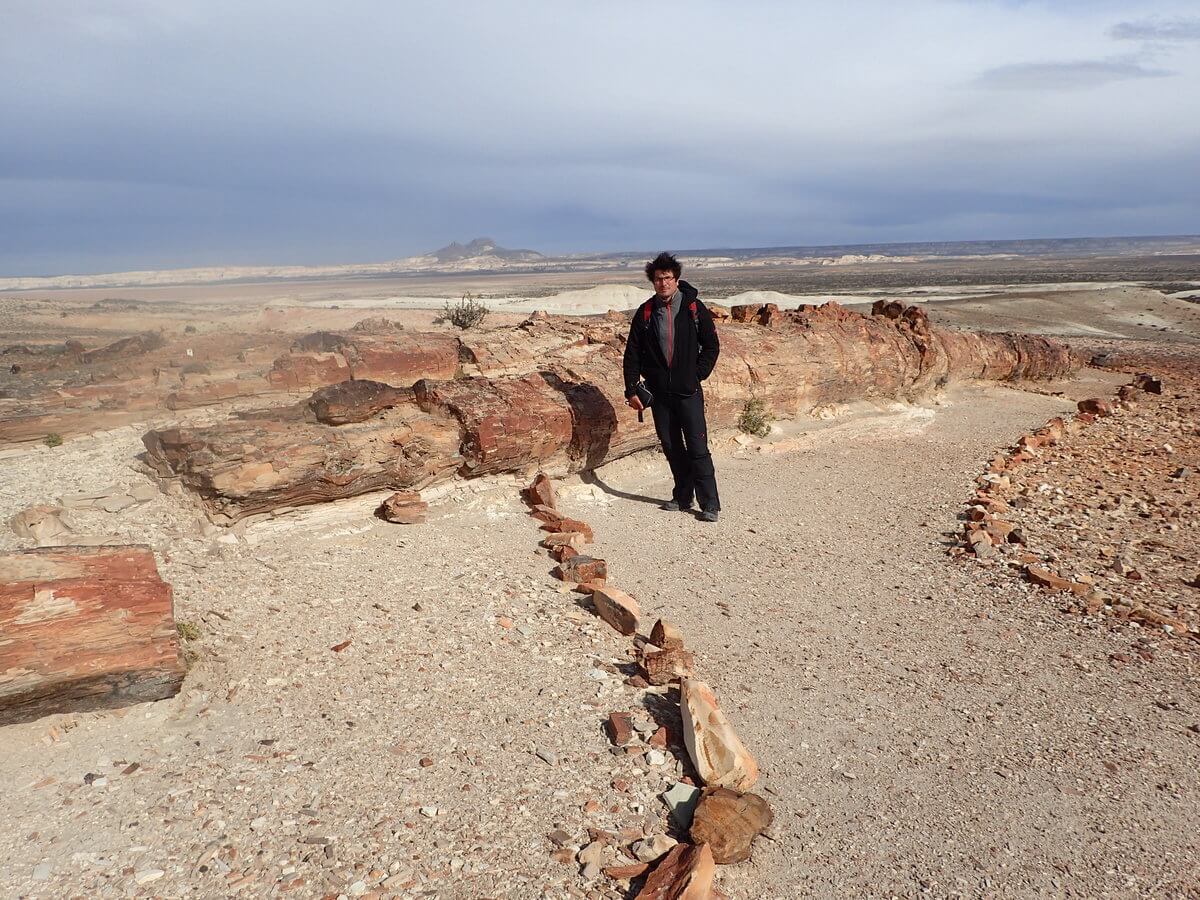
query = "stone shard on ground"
{"x": 616, "y": 608}
{"x": 729, "y": 821}
{"x": 667, "y": 666}
{"x": 718, "y": 754}
{"x": 665, "y": 635}
{"x": 582, "y": 570}
{"x": 685, "y": 873}
{"x": 404, "y": 508}
{"x": 84, "y": 628}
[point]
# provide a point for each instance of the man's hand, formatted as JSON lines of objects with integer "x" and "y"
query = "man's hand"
{"x": 635, "y": 401}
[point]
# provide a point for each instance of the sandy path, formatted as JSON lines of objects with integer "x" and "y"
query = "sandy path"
{"x": 976, "y": 722}
{"x": 922, "y": 730}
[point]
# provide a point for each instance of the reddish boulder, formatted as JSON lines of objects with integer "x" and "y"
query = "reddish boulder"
{"x": 354, "y": 401}
{"x": 540, "y": 493}
{"x": 616, "y": 608}
{"x": 666, "y": 635}
{"x": 1096, "y": 406}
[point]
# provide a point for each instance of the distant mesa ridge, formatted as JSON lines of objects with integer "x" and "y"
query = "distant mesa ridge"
{"x": 455, "y": 252}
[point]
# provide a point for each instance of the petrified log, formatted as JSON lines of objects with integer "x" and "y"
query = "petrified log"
{"x": 84, "y": 628}
{"x": 569, "y": 415}
{"x": 399, "y": 358}
{"x": 354, "y": 401}
{"x": 261, "y": 465}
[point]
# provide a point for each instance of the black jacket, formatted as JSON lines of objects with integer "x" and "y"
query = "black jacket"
{"x": 696, "y": 349}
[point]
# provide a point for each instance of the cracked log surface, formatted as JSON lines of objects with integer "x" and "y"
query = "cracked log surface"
{"x": 549, "y": 394}
{"x": 84, "y": 628}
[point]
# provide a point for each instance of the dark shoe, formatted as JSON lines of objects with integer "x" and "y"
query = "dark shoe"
{"x": 673, "y": 506}
{"x": 707, "y": 515}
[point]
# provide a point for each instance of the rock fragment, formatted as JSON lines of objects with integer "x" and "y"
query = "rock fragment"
{"x": 666, "y": 635}
{"x": 667, "y": 666}
{"x": 616, "y": 608}
{"x": 686, "y": 873}
{"x": 582, "y": 570}
{"x": 716, "y": 751}
{"x": 404, "y": 508}
{"x": 729, "y": 822}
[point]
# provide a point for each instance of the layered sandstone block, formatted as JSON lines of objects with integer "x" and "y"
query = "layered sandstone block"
{"x": 84, "y": 628}
{"x": 568, "y": 413}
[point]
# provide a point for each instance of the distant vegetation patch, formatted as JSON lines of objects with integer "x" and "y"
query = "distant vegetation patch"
{"x": 466, "y": 313}
{"x": 755, "y": 418}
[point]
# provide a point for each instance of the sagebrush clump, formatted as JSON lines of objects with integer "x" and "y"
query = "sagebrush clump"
{"x": 54, "y": 439}
{"x": 466, "y": 313}
{"x": 755, "y": 418}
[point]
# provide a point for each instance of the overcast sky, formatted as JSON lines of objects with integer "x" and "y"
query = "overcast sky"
{"x": 159, "y": 133}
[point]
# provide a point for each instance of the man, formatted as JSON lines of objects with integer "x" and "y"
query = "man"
{"x": 673, "y": 346}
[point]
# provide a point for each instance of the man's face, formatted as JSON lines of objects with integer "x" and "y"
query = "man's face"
{"x": 665, "y": 284}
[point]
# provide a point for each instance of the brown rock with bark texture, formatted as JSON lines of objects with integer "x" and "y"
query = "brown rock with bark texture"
{"x": 729, "y": 822}
{"x": 573, "y": 525}
{"x": 667, "y": 666}
{"x": 404, "y": 508}
{"x": 582, "y": 570}
{"x": 616, "y": 608}
{"x": 565, "y": 411}
{"x": 84, "y": 628}
{"x": 666, "y": 635}
{"x": 1096, "y": 407}
{"x": 716, "y": 751}
{"x": 354, "y": 401}
{"x": 1148, "y": 383}
{"x": 563, "y": 552}
{"x": 572, "y": 539}
{"x": 685, "y": 873}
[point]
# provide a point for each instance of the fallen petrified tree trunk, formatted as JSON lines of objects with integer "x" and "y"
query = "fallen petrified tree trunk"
{"x": 84, "y": 628}
{"x": 569, "y": 414}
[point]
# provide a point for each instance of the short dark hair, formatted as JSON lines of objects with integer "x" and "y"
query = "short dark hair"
{"x": 664, "y": 262}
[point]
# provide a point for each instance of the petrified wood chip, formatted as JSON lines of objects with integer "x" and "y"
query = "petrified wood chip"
{"x": 667, "y": 666}
{"x": 665, "y": 635}
{"x": 404, "y": 508}
{"x": 686, "y": 873}
{"x": 616, "y": 608}
{"x": 565, "y": 524}
{"x": 582, "y": 569}
{"x": 716, "y": 751}
{"x": 729, "y": 821}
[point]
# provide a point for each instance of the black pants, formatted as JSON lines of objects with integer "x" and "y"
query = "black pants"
{"x": 679, "y": 422}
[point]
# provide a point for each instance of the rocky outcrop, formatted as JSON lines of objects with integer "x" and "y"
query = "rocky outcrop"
{"x": 566, "y": 411}
{"x": 84, "y": 628}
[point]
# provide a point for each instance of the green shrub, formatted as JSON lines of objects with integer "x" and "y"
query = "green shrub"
{"x": 755, "y": 418}
{"x": 188, "y": 631}
{"x": 54, "y": 439}
{"x": 466, "y": 313}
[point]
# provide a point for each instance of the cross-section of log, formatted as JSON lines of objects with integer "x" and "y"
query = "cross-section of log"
{"x": 84, "y": 628}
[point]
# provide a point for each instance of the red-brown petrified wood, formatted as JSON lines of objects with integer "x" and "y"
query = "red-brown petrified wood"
{"x": 84, "y": 628}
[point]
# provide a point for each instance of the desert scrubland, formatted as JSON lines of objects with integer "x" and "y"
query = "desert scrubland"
{"x": 950, "y": 614}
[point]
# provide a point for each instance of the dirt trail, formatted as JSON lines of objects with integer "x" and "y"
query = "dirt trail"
{"x": 921, "y": 730}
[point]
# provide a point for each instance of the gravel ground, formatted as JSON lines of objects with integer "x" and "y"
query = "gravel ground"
{"x": 921, "y": 731}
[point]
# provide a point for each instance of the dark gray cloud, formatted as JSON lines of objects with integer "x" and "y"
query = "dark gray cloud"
{"x": 150, "y": 133}
{"x": 1065, "y": 76}
{"x": 1158, "y": 30}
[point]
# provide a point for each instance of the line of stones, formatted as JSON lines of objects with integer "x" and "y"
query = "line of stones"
{"x": 723, "y": 819}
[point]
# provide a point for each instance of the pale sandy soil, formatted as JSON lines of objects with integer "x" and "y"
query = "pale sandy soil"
{"x": 923, "y": 730}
